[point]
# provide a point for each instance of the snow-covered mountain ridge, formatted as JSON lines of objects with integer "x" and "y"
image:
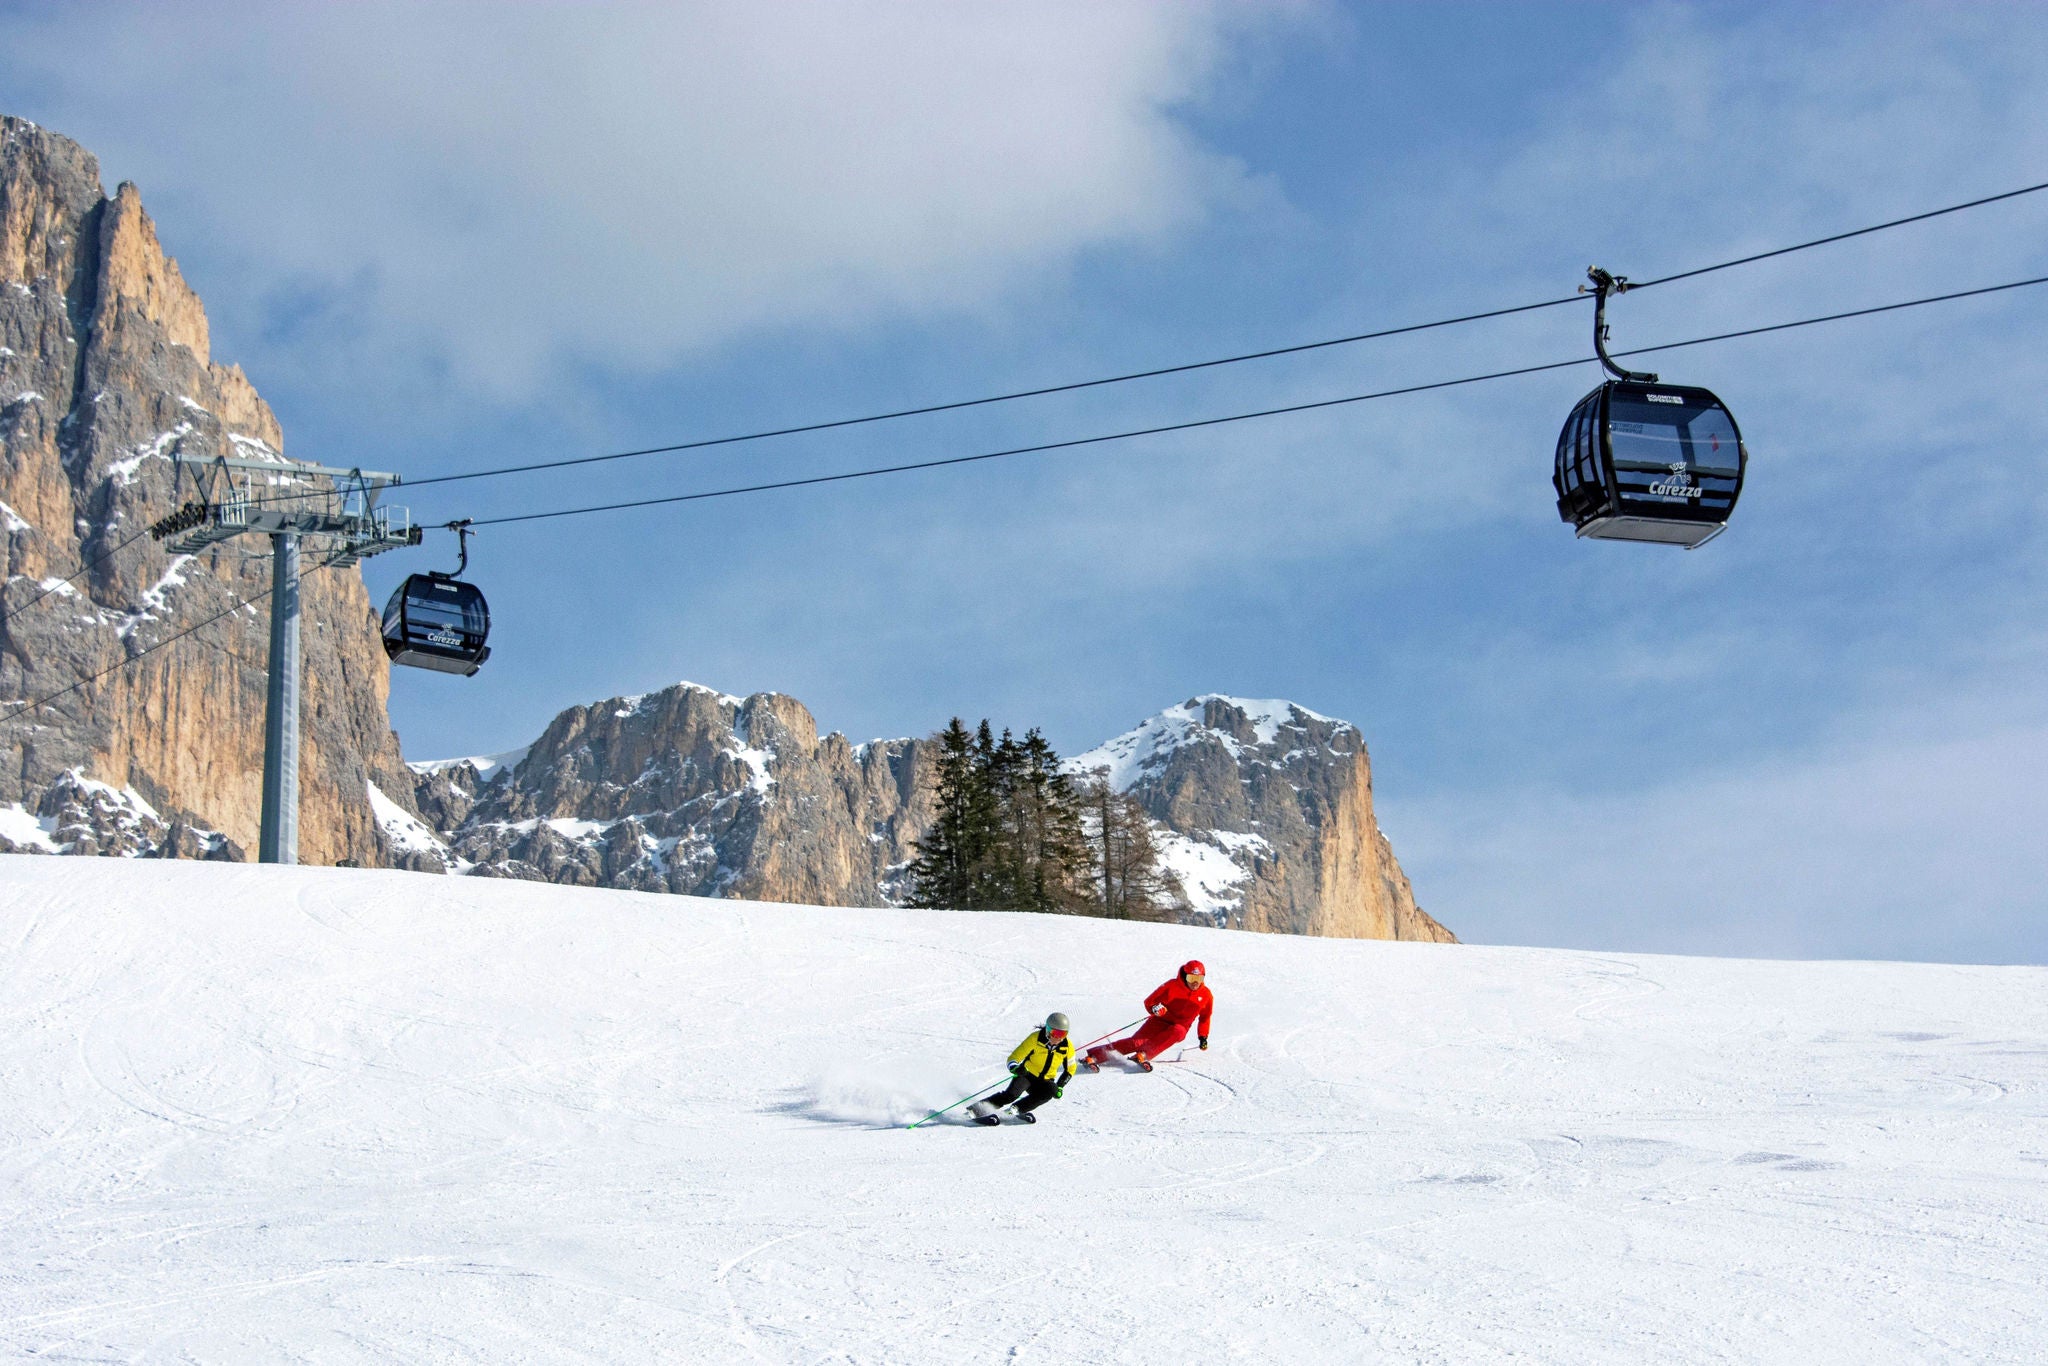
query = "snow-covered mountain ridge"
{"x": 1140, "y": 752}
{"x": 1266, "y": 813}
{"x": 106, "y": 351}
{"x": 304, "y": 1114}
{"x": 1263, "y": 809}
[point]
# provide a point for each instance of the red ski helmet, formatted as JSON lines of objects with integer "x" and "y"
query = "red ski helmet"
{"x": 1193, "y": 968}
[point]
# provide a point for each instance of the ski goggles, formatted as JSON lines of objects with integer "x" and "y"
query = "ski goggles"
{"x": 1195, "y": 976}
{"x": 1055, "y": 1034}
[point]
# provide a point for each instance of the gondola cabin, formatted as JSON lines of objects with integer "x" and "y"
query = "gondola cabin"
{"x": 436, "y": 621}
{"x": 1643, "y": 461}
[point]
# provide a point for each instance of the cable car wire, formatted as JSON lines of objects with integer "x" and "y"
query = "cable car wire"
{"x": 257, "y": 597}
{"x": 1238, "y": 417}
{"x": 227, "y": 611}
{"x": 8, "y": 613}
{"x": 1187, "y": 366}
{"x": 1837, "y": 237}
{"x": 1158, "y": 372}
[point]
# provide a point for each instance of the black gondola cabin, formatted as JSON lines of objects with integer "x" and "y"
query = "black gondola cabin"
{"x": 436, "y": 621}
{"x": 1643, "y": 461}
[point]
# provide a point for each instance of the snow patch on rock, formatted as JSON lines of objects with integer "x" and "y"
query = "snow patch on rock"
{"x": 487, "y": 766}
{"x": 407, "y": 833}
{"x": 1212, "y": 880}
{"x": 24, "y": 829}
{"x": 630, "y": 705}
{"x": 156, "y": 598}
{"x": 158, "y": 449}
{"x": 1144, "y": 749}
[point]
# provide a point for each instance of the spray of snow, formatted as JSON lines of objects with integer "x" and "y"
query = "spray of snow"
{"x": 891, "y": 1096}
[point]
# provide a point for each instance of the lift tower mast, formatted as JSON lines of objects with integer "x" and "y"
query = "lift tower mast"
{"x": 339, "y": 513}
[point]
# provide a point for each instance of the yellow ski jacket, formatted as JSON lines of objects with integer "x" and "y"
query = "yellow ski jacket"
{"x": 1053, "y": 1062}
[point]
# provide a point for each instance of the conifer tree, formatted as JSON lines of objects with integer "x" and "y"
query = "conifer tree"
{"x": 1126, "y": 876}
{"x": 994, "y": 869}
{"x": 943, "y": 873}
{"x": 1007, "y": 834}
{"x": 1049, "y": 816}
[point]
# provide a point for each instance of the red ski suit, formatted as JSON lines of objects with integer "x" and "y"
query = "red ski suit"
{"x": 1173, "y": 1007}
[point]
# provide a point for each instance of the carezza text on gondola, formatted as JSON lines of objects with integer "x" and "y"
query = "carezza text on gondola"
{"x": 437, "y": 621}
{"x": 1641, "y": 460}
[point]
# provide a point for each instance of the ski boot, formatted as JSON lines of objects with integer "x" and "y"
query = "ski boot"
{"x": 1144, "y": 1063}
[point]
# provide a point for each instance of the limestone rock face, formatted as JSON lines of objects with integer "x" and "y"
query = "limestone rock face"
{"x": 1267, "y": 817}
{"x": 689, "y": 790}
{"x": 1263, "y": 810}
{"x": 105, "y": 373}
{"x": 80, "y": 816}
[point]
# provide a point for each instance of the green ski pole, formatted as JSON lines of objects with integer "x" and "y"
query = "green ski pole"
{"x": 993, "y": 1085}
{"x": 962, "y": 1101}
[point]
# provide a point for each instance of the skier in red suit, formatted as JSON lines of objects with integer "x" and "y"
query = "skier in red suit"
{"x": 1178, "y": 1003}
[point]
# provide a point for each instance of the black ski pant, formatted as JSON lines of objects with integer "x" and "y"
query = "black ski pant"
{"x": 1033, "y": 1091}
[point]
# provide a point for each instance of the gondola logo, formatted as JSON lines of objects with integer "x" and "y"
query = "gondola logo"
{"x": 1679, "y": 485}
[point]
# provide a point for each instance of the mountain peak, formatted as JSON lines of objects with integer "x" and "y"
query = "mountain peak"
{"x": 1255, "y": 729}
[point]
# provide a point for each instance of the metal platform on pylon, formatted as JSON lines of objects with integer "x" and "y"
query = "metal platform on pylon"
{"x": 288, "y": 501}
{"x": 344, "y": 512}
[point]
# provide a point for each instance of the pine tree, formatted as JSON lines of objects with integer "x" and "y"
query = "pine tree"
{"x": 1008, "y": 830}
{"x": 995, "y": 870}
{"x": 1128, "y": 882}
{"x": 943, "y": 873}
{"x": 1049, "y": 814}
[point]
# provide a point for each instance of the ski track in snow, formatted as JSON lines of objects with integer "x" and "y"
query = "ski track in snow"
{"x": 345, "y": 1116}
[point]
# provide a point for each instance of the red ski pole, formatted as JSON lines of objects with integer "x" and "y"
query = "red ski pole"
{"x": 1100, "y": 1037}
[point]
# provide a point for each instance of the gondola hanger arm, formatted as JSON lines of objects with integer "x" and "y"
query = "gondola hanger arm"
{"x": 1603, "y": 285}
{"x": 460, "y": 526}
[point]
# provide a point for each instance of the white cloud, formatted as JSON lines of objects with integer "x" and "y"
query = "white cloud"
{"x": 502, "y": 186}
{"x": 1915, "y": 833}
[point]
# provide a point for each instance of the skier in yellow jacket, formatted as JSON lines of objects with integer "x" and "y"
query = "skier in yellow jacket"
{"x": 1040, "y": 1068}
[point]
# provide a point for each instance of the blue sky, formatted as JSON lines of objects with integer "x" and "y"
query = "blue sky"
{"x": 464, "y": 236}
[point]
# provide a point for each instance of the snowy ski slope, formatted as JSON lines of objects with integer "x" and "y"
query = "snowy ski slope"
{"x": 258, "y": 1114}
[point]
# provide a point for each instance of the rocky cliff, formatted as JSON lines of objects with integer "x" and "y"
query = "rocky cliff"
{"x": 105, "y": 373}
{"x": 684, "y": 790}
{"x": 1263, "y": 810}
{"x": 1266, "y": 817}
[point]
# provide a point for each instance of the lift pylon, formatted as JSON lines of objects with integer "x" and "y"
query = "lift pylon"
{"x": 342, "y": 517}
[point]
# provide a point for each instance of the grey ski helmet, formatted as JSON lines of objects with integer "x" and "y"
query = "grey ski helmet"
{"x": 1055, "y": 1022}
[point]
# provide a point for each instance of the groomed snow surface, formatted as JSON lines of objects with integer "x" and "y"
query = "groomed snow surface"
{"x": 260, "y": 1114}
